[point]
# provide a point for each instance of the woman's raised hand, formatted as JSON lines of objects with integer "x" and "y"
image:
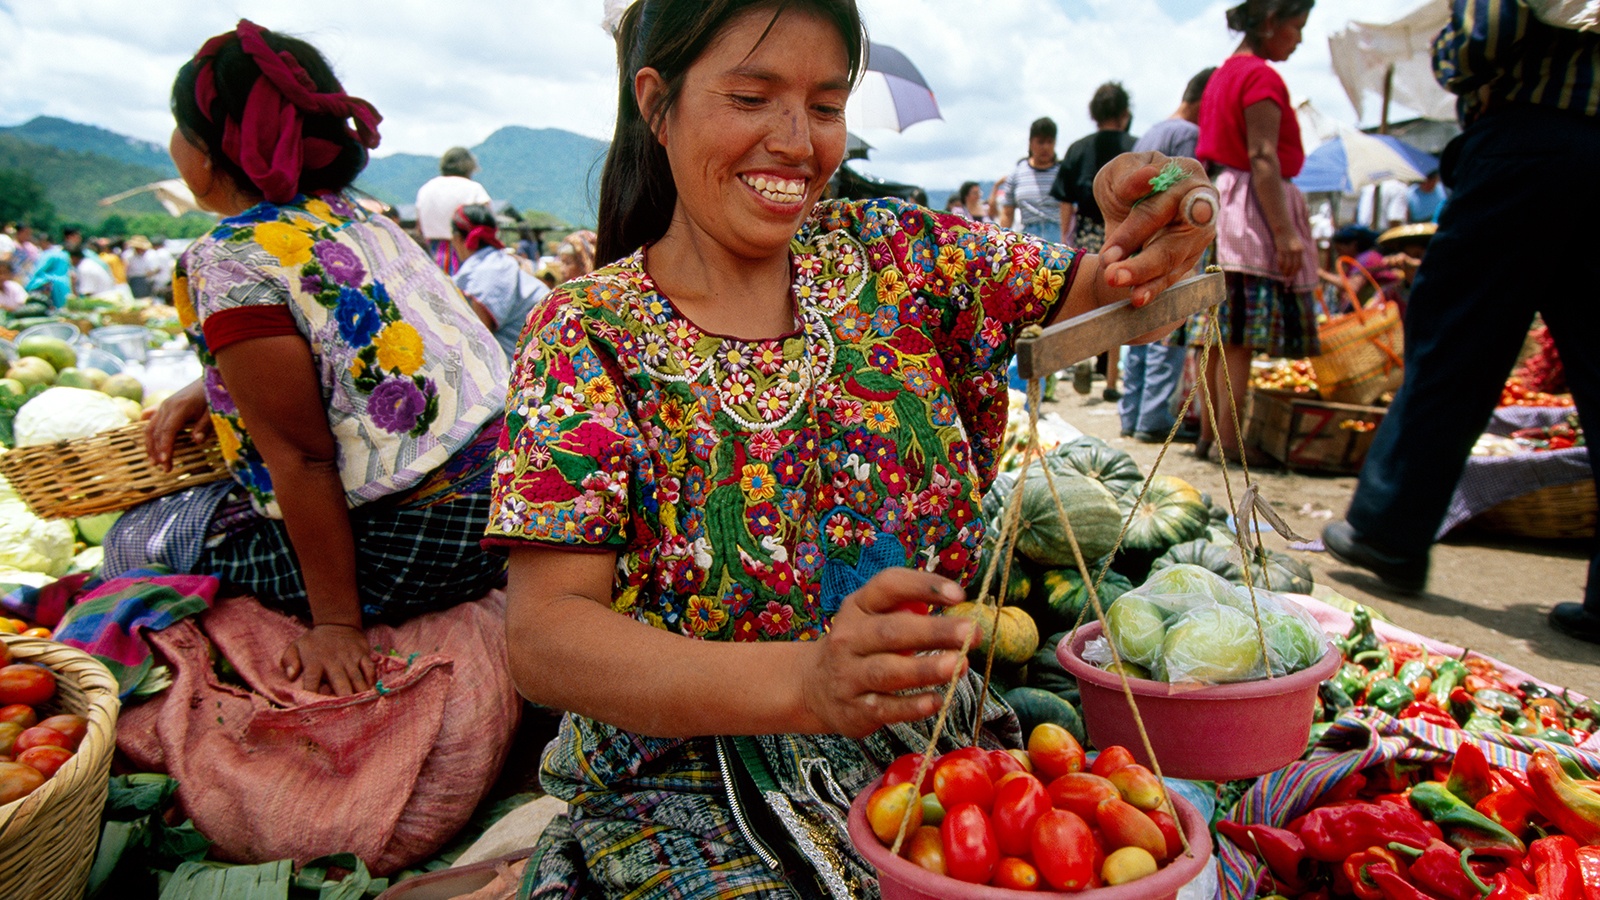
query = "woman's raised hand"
{"x": 184, "y": 409}
{"x": 1153, "y": 241}
{"x": 870, "y": 654}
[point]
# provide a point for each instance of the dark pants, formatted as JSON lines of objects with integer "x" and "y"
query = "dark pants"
{"x": 1515, "y": 238}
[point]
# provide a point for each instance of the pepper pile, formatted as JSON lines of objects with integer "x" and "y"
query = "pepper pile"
{"x": 1542, "y": 370}
{"x": 1407, "y": 681}
{"x": 1560, "y": 436}
{"x": 1469, "y": 831}
{"x": 1519, "y": 393}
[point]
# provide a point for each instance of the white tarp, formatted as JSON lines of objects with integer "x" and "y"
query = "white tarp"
{"x": 1363, "y": 52}
{"x": 173, "y": 195}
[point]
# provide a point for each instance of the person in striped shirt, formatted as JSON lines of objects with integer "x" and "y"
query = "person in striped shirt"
{"x": 1529, "y": 92}
{"x": 1027, "y": 190}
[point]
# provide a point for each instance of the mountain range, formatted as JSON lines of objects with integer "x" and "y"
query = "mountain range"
{"x": 538, "y": 170}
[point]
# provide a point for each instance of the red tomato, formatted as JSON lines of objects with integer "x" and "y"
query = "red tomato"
{"x": 1054, "y": 751}
{"x": 1080, "y": 793}
{"x": 17, "y": 781}
{"x": 999, "y": 762}
{"x": 1016, "y": 875}
{"x": 958, "y": 781}
{"x": 974, "y": 753}
{"x": 970, "y": 853}
{"x": 914, "y": 606}
{"x": 19, "y": 713}
{"x": 1138, "y": 786}
{"x": 36, "y": 632}
{"x": 926, "y": 849}
{"x": 46, "y": 758}
{"x": 1125, "y": 825}
{"x": 40, "y": 736}
{"x": 904, "y": 769}
{"x": 30, "y": 685}
{"x": 1110, "y": 760}
{"x": 74, "y": 727}
{"x": 1169, "y": 830}
{"x": 1063, "y": 849}
{"x": 1018, "y": 804}
{"x": 889, "y": 806}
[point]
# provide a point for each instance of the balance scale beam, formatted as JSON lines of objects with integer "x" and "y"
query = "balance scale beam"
{"x": 1105, "y": 329}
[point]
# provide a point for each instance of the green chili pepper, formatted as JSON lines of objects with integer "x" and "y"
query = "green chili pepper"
{"x": 1389, "y": 695}
{"x": 1508, "y": 706}
{"x": 1351, "y": 679}
{"x": 1413, "y": 672}
{"x": 1361, "y": 637}
{"x": 1436, "y": 802}
{"x": 1483, "y": 721}
{"x": 1450, "y": 674}
{"x": 1557, "y": 736}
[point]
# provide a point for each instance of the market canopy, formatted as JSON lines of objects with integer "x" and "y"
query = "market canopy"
{"x": 1354, "y": 159}
{"x": 1363, "y": 54}
{"x": 173, "y": 195}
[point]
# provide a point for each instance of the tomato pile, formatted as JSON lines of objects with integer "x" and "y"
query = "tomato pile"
{"x": 31, "y": 749}
{"x": 1035, "y": 819}
{"x": 21, "y": 626}
{"x": 1295, "y": 375}
{"x": 1518, "y": 392}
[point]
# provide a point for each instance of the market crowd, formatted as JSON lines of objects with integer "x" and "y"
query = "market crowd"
{"x": 719, "y": 453}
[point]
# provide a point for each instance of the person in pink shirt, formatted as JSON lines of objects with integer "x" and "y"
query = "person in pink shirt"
{"x": 1249, "y": 135}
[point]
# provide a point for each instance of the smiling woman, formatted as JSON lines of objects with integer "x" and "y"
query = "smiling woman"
{"x": 738, "y": 455}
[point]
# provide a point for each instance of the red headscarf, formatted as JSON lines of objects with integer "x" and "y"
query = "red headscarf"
{"x": 268, "y": 142}
{"x": 473, "y": 235}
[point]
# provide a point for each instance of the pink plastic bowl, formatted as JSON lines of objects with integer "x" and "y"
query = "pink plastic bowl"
{"x": 1215, "y": 733}
{"x": 901, "y": 879}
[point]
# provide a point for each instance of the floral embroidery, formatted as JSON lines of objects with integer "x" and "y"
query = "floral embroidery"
{"x": 727, "y": 475}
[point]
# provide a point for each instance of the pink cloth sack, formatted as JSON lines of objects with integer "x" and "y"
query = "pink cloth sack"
{"x": 274, "y": 771}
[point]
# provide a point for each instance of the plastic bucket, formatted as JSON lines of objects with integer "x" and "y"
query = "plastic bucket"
{"x": 128, "y": 343}
{"x": 1215, "y": 733}
{"x": 901, "y": 879}
{"x": 65, "y": 331}
{"x": 95, "y": 358}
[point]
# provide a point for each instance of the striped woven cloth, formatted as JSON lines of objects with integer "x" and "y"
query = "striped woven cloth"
{"x": 1362, "y": 737}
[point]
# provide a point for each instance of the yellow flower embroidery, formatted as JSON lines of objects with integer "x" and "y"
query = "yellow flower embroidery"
{"x": 705, "y": 615}
{"x": 1047, "y": 283}
{"x": 289, "y": 244}
{"x": 891, "y": 286}
{"x": 599, "y": 392}
{"x": 626, "y": 600}
{"x": 951, "y": 261}
{"x": 399, "y": 348}
{"x": 757, "y": 482}
{"x": 322, "y": 210}
{"x": 881, "y": 416}
{"x": 181, "y": 301}
{"x": 358, "y": 367}
{"x": 227, "y": 439}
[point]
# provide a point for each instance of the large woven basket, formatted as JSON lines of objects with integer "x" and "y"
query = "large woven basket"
{"x": 106, "y": 472}
{"x": 1363, "y": 351}
{"x": 1560, "y": 512}
{"x": 48, "y": 838}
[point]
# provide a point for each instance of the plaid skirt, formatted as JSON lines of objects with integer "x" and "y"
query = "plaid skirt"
{"x": 655, "y": 818}
{"x": 1263, "y": 314}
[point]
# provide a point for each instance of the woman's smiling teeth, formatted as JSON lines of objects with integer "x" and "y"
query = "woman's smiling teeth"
{"x": 778, "y": 190}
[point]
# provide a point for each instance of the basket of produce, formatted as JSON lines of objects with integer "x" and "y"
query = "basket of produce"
{"x": 1043, "y": 821}
{"x": 58, "y": 719}
{"x": 1559, "y": 512}
{"x": 1198, "y": 668}
{"x": 106, "y": 472}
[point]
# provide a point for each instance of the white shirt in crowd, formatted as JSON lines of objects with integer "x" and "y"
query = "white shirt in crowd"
{"x": 1391, "y": 196}
{"x": 438, "y": 200}
{"x": 8, "y": 246}
{"x": 93, "y": 277}
{"x": 140, "y": 263}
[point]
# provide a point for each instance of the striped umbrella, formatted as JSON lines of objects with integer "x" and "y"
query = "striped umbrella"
{"x": 892, "y": 93}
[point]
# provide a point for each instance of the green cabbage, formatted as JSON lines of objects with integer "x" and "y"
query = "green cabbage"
{"x": 32, "y": 544}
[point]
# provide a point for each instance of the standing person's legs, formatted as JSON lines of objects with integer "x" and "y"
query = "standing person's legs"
{"x": 1163, "y": 370}
{"x": 1575, "y": 326}
{"x": 1222, "y": 395}
{"x": 1470, "y": 309}
{"x": 1133, "y": 389}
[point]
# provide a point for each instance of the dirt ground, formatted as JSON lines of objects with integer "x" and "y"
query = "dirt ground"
{"x": 1486, "y": 593}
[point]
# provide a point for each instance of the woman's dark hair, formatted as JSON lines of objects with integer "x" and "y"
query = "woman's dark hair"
{"x": 1043, "y": 128}
{"x": 234, "y": 74}
{"x": 966, "y": 187}
{"x": 1249, "y": 17}
{"x": 637, "y": 193}
{"x": 1196, "y": 88}
{"x": 471, "y": 216}
{"x": 1109, "y": 103}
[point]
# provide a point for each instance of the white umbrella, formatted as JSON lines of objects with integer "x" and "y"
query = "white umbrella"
{"x": 892, "y": 93}
{"x": 1367, "y": 57}
{"x": 173, "y": 195}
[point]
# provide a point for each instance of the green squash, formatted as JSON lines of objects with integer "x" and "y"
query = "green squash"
{"x": 1281, "y": 572}
{"x": 1284, "y": 573}
{"x": 1021, "y": 584}
{"x": 1046, "y": 673}
{"x": 1202, "y": 553}
{"x": 1065, "y": 594}
{"x": 1219, "y": 514}
{"x": 1172, "y": 513}
{"x": 1042, "y": 535}
{"x": 996, "y": 498}
{"x": 1099, "y": 460}
{"x": 1035, "y": 707}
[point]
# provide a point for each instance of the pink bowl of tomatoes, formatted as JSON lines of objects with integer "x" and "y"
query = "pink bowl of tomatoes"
{"x": 1044, "y": 820}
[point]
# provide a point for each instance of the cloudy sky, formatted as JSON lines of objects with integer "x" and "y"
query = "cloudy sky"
{"x": 451, "y": 73}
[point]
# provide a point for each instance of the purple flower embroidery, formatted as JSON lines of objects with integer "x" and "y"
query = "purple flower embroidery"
{"x": 395, "y": 404}
{"x": 217, "y": 396}
{"x": 340, "y": 262}
{"x": 338, "y": 205}
{"x": 310, "y": 284}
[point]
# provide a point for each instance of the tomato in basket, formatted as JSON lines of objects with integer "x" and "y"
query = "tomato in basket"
{"x": 45, "y": 758}
{"x": 27, "y": 684}
{"x": 72, "y": 727}
{"x": 17, "y": 781}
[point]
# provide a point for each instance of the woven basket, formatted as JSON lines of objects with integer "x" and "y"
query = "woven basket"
{"x": 48, "y": 838}
{"x": 106, "y": 472}
{"x": 1363, "y": 351}
{"x": 1563, "y": 511}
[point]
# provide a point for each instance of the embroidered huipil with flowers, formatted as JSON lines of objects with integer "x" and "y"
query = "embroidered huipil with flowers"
{"x": 409, "y": 375}
{"x": 747, "y": 486}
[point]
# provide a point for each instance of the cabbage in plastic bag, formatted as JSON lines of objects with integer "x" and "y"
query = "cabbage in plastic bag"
{"x": 1137, "y": 627}
{"x": 1295, "y": 640}
{"x": 1212, "y": 645}
{"x": 1185, "y": 580}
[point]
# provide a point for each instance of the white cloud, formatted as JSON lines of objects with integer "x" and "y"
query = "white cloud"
{"x": 451, "y": 73}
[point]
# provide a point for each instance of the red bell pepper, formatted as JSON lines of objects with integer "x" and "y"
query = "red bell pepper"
{"x": 1589, "y": 866}
{"x": 1356, "y": 866}
{"x": 1553, "y": 863}
{"x": 1428, "y": 712}
{"x": 1440, "y": 868}
{"x": 1469, "y": 774}
{"x": 1334, "y": 832}
{"x": 1512, "y": 885}
{"x": 1392, "y": 885}
{"x": 1560, "y": 799}
{"x": 1346, "y": 788}
{"x": 1281, "y": 850}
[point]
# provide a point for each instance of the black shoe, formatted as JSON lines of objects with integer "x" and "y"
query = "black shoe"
{"x": 1111, "y": 394}
{"x": 1128, "y": 433}
{"x": 1187, "y": 434}
{"x": 1083, "y": 377}
{"x": 1405, "y": 575}
{"x": 1148, "y": 437}
{"x": 1572, "y": 620}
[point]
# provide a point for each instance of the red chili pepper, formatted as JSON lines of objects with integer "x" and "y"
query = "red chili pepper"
{"x": 1557, "y": 797}
{"x": 1346, "y": 788}
{"x": 1355, "y": 868}
{"x": 1512, "y": 885}
{"x": 1440, "y": 869}
{"x": 1332, "y": 833}
{"x": 1508, "y": 806}
{"x": 1470, "y": 777}
{"x": 1280, "y": 849}
{"x": 1427, "y": 712}
{"x": 1589, "y": 866}
{"x": 1392, "y": 885}
{"x": 1553, "y": 863}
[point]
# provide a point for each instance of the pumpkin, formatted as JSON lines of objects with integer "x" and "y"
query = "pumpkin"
{"x": 1020, "y": 585}
{"x": 1099, "y": 460}
{"x": 1018, "y": 637}
{"x": 1046, "y": 673}
{"x": 1042, "y": 535}
{"x": 1219, "y": 514}
{"x": 1172, "y": 512}
{"x": 996, "y": 498}
{"x": 1035, "y": 707}
{"x": 1202, "y": 553}
{"x": 1065, "y": 594}
{"x": 1282, "y": 572}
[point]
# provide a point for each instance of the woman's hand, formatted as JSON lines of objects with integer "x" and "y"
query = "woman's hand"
{"x": 185, "y": 409}
{"x": 338, "y": 656}
{"x": 1153, "y": 241}
{"x": 1291, "y": 253}
{"x": 869, "y": 654}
